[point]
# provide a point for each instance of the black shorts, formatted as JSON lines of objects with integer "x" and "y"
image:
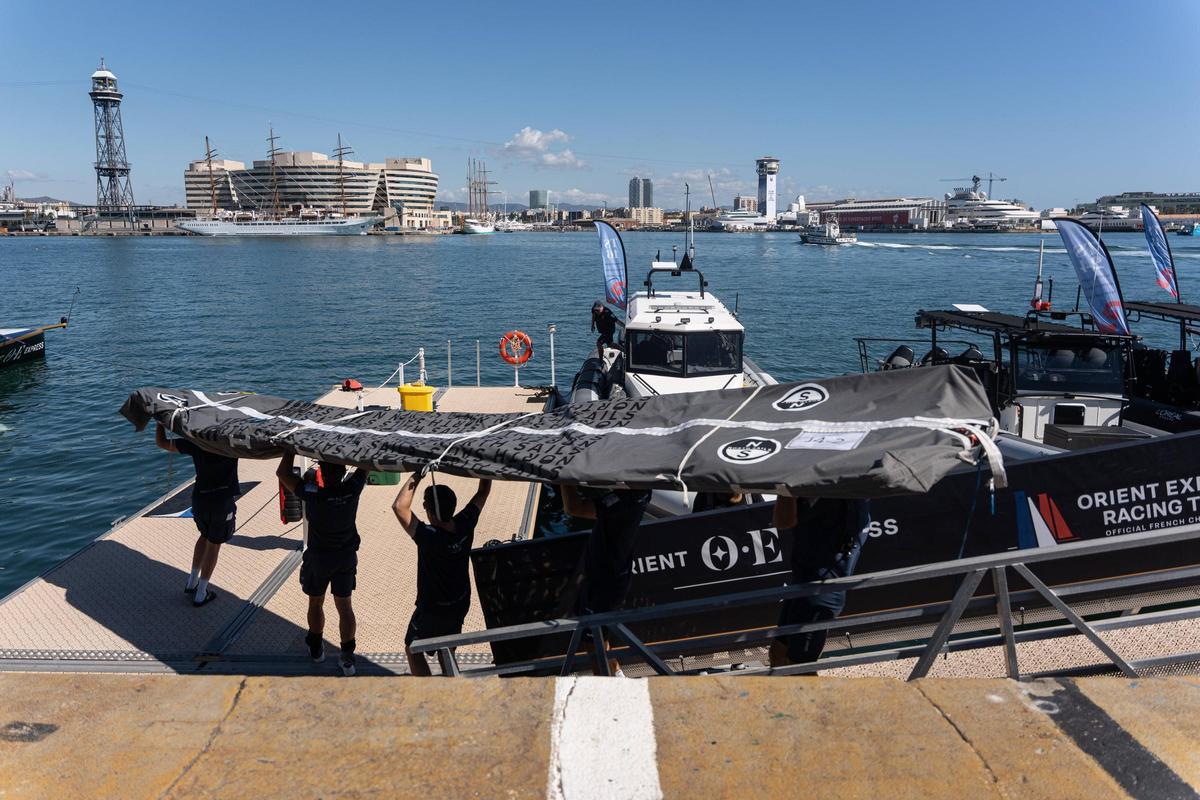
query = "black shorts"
{"x": 322, "y": 570}
{"x": 216, "y": 524}
{"x": 429, "y": 622}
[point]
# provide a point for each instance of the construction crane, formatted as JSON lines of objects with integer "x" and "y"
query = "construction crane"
{"x": 976, "y": 180}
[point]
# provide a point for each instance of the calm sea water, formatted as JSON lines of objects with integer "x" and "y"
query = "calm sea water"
{"x": 293, "y": 317}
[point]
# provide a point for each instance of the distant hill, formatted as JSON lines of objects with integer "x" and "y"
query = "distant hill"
{"x": 46, "y": 199}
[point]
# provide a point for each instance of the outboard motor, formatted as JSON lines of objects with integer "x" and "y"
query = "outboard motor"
{"x": 969, "y": 357}
{"x": 938, "y": 355}
{"x": 902, "y": 357}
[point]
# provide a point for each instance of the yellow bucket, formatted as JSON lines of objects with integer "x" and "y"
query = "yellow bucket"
{"x": 416, "y": 397}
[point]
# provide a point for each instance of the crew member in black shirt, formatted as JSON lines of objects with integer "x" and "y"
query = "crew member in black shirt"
{"x": 214, "y": 509}
{"x": 608, "y": 555}
{"x": 443, "y": 559}
{"x": 604, "y": 321}
{"x": 330, "y": 561}
{"x": 827, "y": 539}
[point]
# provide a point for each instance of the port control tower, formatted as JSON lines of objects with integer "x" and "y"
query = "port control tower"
{"x": 114, "y": 193}
{"x": 768, "y": 168}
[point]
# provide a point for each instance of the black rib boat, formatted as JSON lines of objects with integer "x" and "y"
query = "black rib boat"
{"x": 25, "y": 343}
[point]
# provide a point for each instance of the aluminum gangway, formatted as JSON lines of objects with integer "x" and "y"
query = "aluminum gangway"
{"x": 1153, "y": 598}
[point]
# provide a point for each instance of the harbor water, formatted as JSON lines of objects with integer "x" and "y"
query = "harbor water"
{"x": 291, "y": 317}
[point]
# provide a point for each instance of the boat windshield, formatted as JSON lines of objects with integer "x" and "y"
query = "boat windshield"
{"x": 1087, "y": 368}
{"x": 685, "y": 355}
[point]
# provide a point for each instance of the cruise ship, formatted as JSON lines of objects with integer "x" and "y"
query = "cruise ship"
{"x": 975, "y": 208}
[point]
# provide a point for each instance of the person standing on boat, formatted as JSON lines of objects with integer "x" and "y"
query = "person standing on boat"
{"x": 214, "y": 509}
{"x": 608, "y": 555}
{"x": 330, "y": 561}
{"x": 827, "y": 539}
{"x": 443, "y": 561}
{"x": 604, "y": 321}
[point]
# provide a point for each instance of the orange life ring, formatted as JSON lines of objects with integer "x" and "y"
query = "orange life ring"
{"x": 516, "y": 347}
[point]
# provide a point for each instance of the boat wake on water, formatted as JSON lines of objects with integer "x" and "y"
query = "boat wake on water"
{"x": 1113, "y": 249}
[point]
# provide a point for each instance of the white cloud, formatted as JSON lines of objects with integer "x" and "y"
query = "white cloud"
{"x": 543, "y": 149}
{"x": 579, "y": 196}
{"x": 26, "y": 175}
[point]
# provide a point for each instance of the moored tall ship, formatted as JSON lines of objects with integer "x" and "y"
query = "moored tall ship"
{"x": 479, "y": 218}
{"x": 273, "y": 221}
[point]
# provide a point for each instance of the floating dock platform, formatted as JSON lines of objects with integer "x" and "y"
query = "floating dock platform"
{"x": 118, "y": 605}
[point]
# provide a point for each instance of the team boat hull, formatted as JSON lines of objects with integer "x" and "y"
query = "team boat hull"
{"x": 1053, "y": 501}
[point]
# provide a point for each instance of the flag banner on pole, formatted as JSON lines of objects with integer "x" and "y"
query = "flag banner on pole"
{"x": 612, "y": 255}
{"x": 1160, "y": 251}
{"x": 1097, "y": 276}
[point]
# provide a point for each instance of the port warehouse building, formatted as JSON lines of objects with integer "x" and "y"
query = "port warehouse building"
{"x": 1169, "y": 204}
{"x": 308, "y": 180}
{"x": 896, "y": 213}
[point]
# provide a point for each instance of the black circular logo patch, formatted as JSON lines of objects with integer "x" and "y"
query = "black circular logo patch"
{"x": 749, "y": 451}
{"x": 802, "y": 397}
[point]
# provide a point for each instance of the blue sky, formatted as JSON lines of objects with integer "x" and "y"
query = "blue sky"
{"x": 1069, "y": 100}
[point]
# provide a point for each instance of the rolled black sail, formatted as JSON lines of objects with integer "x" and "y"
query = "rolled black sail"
{"x": 856, "y": 436}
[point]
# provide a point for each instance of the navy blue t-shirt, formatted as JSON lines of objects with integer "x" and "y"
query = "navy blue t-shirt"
{"x": 216, "y": 476}
{"x": 332, "y": 512}
{"x": 443, "y": 559}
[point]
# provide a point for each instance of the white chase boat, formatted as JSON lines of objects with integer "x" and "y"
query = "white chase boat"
{"x": 827, "y": 234}
{"x": 675, "y": 341}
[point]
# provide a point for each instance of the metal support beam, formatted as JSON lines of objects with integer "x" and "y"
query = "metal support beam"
{"x": 569, "y": 662}
{"x": 645, "y": 652}
{"x": 600, "y": 652}
{"x": 1004, "y": 614}
{"x": 1075, "y": 619}
{"x": 967, "y": 588}
{"x": 449, "y": 662}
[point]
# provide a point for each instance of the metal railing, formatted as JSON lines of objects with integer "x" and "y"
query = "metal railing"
{"x": 972, "y": 571}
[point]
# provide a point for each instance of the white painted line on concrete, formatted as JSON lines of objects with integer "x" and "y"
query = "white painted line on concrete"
{"x": 602, "y": 741}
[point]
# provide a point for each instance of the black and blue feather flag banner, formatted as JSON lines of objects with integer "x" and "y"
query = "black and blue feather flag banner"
{"x": 1097, "y": 275}
{"x": 616, "y": 272}
{"x": 1160, "y": 251}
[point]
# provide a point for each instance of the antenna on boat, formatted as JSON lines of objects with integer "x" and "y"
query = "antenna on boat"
{"x": 691, "y": 241}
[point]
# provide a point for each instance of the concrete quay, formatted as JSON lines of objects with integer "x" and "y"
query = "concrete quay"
{"x": 90, "y": 735}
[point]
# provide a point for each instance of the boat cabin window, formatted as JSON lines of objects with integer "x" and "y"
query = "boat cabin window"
{"x": 1087, "y": 368}
{"x": 682, "y": 355}
{"x": 713, "y": 352}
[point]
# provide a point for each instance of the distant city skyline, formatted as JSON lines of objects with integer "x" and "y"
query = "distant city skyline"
{"x": 891, "y": 105}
